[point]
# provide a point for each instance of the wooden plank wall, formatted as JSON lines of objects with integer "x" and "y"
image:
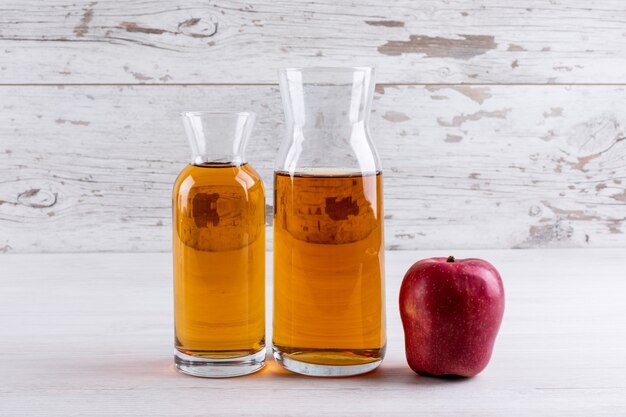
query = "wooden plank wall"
{"x": 500, "y": 125}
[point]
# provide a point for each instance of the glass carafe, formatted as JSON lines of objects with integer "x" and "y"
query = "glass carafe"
{"x": 329, "y": 300}
{"x": 219, "y": 251}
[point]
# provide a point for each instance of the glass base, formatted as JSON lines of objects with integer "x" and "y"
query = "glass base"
{"x": 219, "y": 368}
{"x": 313, "y": 369}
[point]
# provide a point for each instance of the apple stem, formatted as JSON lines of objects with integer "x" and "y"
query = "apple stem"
{"x": 450, "y": 259}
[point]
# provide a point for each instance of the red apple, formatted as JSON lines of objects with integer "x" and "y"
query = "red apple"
{"x": 451, "y": 312}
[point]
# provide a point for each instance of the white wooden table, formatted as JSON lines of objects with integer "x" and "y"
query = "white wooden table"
{"x": 91, "y": 335}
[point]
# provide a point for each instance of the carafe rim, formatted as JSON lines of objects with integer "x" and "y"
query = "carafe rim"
{"x": 216, "y": 113}
{"x": 363, "y": 68}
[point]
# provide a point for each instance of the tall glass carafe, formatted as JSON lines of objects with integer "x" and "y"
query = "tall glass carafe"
{"x": 329, "y": 308}
{"x": 219, "y": 251}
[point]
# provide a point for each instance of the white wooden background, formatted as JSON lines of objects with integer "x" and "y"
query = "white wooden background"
{"x": 500, "y": 124}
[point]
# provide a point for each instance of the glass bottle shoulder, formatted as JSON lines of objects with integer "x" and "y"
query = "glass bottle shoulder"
{"x": 351, "y": 151}
{"x": 239, "y": 176}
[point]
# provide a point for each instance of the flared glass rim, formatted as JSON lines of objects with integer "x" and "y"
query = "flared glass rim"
{"x": 326, "y": 69}
{"x": 217, "y": 113}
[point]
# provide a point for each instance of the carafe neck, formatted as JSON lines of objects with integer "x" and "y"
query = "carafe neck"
{"x": 327, "y": 98}
{"x": 327, "y": 111}
{"x": 218, "y": 137}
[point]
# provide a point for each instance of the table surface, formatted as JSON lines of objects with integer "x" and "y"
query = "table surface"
{"x": 91, "y": 335}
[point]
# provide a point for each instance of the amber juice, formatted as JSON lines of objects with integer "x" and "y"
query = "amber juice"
{"x": 328, "y": 267}
{"x": 219, "y": 261}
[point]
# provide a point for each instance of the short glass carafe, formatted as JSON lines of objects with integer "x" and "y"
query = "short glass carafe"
{"x": 219, "y": 251}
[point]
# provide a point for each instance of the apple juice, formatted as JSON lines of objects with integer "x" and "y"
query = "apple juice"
{"x": 328, "y": 267}
{"x": 219, "y": 261}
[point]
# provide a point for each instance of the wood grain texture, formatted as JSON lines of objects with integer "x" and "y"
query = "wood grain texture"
{"x": 91, "y": 335}
{"x": 433, "y": 41}
{"x": 91, "y": 168}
